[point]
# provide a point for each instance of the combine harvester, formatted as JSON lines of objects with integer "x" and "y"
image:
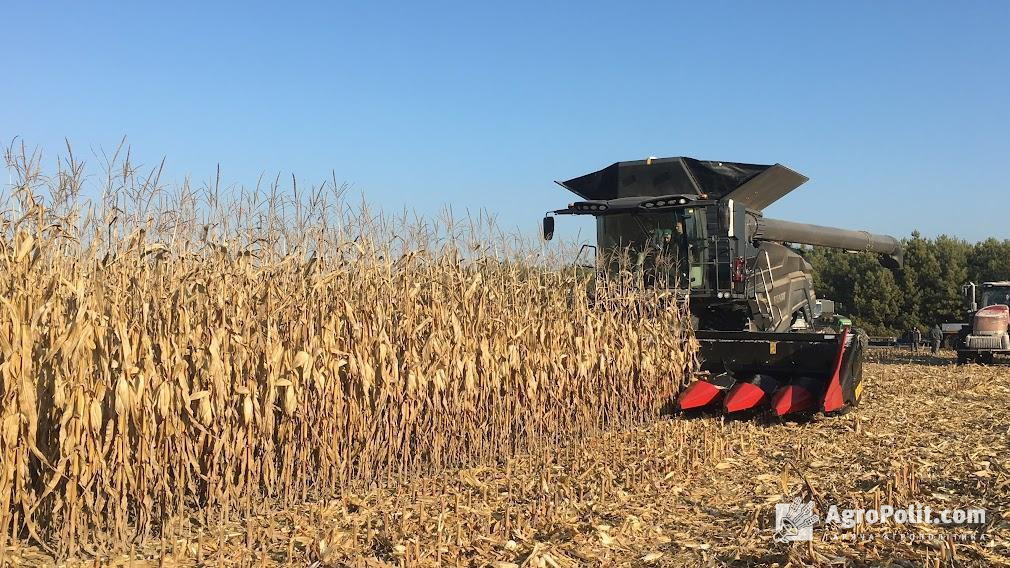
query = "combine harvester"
{"x": 697, "y": 228}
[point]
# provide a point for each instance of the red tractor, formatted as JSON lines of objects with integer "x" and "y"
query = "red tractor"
{"x": 986, "y": 334}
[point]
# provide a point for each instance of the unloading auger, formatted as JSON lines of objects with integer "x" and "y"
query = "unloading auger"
{"x": 697, "y": 228}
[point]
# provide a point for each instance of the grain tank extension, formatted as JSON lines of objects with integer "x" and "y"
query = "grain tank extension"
{"x": 697, "y": 229}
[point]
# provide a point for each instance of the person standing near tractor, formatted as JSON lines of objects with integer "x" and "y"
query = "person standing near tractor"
{"x": 916, "y": 339}
{"x": 936, "y": 338}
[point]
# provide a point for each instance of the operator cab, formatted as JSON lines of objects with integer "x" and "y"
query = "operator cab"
{"x": 665, "y": 240}
{"x": 985, "y": 295}
{"x": 994, "y": 293}
{"x": 663, "y": 246}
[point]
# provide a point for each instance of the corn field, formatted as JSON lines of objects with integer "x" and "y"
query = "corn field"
{"x": 173, "y": 354}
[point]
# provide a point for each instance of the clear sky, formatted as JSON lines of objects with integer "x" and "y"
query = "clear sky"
{"x": 899, "y": 112}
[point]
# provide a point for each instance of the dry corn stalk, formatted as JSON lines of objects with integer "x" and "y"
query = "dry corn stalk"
{"x": 145, "y": 381}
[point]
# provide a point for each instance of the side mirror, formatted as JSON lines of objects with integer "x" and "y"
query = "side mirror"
{"x": 548, "y": 228}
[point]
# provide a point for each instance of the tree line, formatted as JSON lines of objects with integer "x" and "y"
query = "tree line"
{"x": 925, "y": 292}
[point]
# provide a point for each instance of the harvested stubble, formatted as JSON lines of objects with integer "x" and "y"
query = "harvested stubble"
{"x": 148, "y": 383}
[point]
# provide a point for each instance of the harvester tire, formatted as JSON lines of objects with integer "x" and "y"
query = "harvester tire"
{"x": 852, "y": 369}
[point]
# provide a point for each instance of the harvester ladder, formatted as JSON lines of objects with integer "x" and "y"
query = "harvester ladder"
{"x": 765, "y": 286}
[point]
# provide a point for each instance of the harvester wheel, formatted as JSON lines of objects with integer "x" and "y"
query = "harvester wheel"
{"x": 986, "y": 358}
{"x": 852, "y": 369}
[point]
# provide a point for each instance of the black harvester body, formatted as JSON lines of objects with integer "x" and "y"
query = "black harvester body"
{"x": 697, "y": 228}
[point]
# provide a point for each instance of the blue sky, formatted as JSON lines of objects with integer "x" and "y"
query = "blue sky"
{"x": 899, "y": 112}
